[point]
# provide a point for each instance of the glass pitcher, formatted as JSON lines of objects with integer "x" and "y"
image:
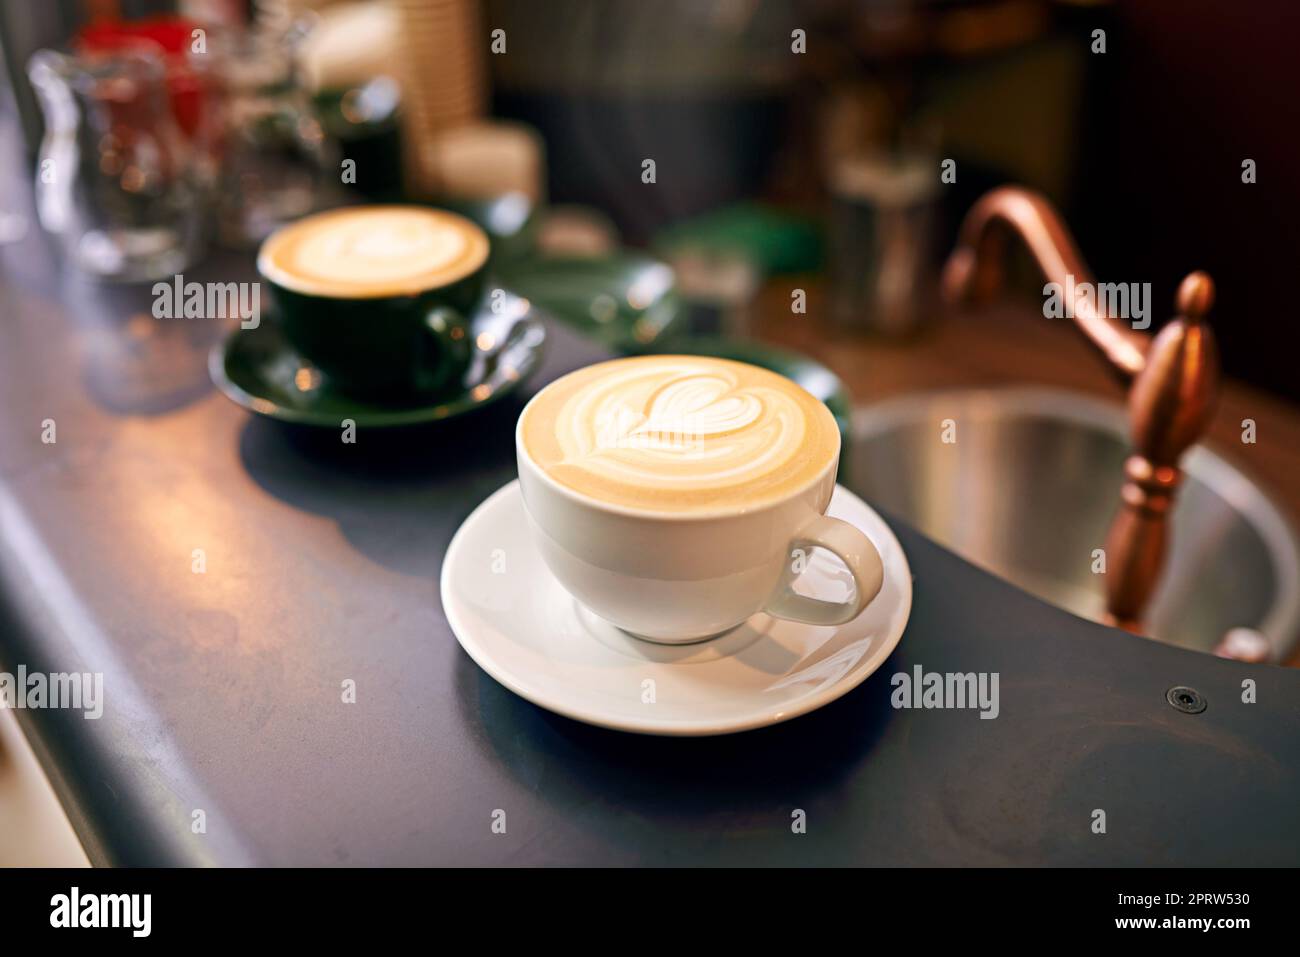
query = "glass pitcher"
{"x": 114, "y": 179}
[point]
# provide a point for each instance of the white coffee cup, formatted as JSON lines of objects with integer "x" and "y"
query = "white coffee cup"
{"x": 682, "y": 577}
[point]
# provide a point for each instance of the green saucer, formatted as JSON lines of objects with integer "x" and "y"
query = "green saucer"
{"x": 627, "y": 302}
{"x": 257, "y": 369}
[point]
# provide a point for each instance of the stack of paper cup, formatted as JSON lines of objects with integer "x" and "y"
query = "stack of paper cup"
{"x": 444, "y": 82}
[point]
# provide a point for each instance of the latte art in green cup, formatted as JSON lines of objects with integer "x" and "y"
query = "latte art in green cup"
{"x": 373, "y": 251}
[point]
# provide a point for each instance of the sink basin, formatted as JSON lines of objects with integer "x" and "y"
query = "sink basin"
{"x": 1029, "y": 487}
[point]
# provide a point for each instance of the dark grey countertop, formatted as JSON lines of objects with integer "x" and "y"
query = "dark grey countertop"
{"x": 223, "y": 688}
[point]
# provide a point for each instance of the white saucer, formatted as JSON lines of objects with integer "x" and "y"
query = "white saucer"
{"x": 521, "y": 627}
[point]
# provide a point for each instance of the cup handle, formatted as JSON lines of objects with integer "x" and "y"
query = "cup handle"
{"x": 447, "y": 346}
{"x": 854, "y": 549}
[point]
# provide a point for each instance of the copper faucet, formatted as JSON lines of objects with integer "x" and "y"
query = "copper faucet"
{"x": 1173, "y": 377}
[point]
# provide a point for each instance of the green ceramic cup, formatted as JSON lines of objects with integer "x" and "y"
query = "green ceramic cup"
{"x": 379, "y": 298}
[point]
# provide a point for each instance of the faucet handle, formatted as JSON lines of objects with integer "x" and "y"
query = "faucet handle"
{"x": 1172, "y": 399}
{"x": 1170, "y": 405}
{"x": 1195, "y": 295}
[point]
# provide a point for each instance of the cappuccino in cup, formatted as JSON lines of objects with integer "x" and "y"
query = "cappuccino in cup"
{"x": 675, "y": 495}
{"x": 368, "y": 252}
{"x": 379, "y": 297}
{"x": 680, "y": 434}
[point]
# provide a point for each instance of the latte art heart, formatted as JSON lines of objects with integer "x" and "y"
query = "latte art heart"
{"x": 680, "y": 416}
{"x": 679, "y": 432}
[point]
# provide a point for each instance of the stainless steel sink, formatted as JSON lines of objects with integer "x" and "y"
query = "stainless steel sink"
{"x": 1028, "y": 490}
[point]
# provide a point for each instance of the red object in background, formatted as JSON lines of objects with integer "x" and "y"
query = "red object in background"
{"x": 173, "y": 37}
{"x": 173, "y": 34}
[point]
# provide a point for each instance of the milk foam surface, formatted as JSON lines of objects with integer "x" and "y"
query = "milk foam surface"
{"x": 371, "y": 251}
{"x": 679, "y": 433}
